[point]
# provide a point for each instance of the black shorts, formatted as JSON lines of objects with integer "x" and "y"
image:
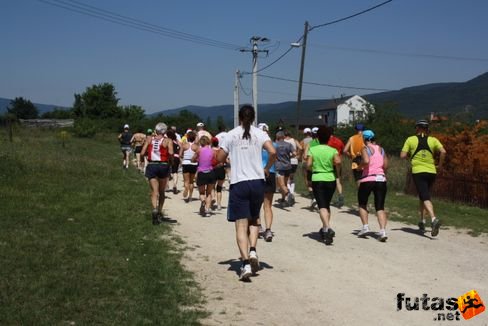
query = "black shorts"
{"x": 357, "y": 173}
{"x": 309, "y": 176}
{"x": 205, "y": 178}
{"x": 190, "y": 168}
{"x": 283, "y": 173}
{"x": 423, "y": 182}
{"x": 137, "y": 149}
{"x": 323, "y": 192}
{"x": 294, "y": 168}
{"x": 157, "y": 170}
{"x": 379, "y": 192}
{"x": 270, "y": 183}
{"x": 175, "y": 165}
{"x": 245, "y": 200}
{"x": 219, "y": 173}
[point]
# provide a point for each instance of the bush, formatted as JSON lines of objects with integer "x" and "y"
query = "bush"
{"x": 85, "y": 128}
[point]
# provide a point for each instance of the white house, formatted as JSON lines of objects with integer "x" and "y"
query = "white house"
{"x": 345, "y": 111}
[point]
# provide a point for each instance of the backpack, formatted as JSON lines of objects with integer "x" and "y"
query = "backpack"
{"x": 422, "y": 145}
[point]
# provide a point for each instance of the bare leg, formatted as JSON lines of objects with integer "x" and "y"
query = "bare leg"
{"x": 253, "y": 233}
{"x": 429, "y": 208}
{"x": 242, "y": 238}
{"x": 282, "y": 186}
{"x": 363, "y": 214}
{"x": 325, "y": 217}
{"x": 162, "y": 186}
{"x": 268, "y": 211}
{"x": 154, "y": 185}
{"x": 191, "y": 185}
{"x": 186, "y": 181}
{"x": 208, "y": 198}
{"x": 382, "y": 220}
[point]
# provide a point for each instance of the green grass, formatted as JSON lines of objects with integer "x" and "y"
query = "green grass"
{"x": 76, "y": 242}
{"x": 404, "y": 208}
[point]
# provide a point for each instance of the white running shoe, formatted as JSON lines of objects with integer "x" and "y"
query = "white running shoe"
{"x": 363, "y": 232}
{"x": 246, "y": 272}
{"x": 382, "y": 236}
{"x": 254, "y": 261}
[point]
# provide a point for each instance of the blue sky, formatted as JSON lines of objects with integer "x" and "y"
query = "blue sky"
{"x": 49, "y": 53}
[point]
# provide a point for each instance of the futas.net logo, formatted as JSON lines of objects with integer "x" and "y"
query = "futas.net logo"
{"x": 467, "y": 305}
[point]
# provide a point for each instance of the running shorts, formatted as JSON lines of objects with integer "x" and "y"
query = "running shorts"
{"x": 205, "y": 178}
{"x": 423, "y": 182}
{"x": 175, "y": 165}
{"x": 137, "y": 149}
{"x": 357, "y": 173}
{"x": 245, "y": 200}
{"x": 190, "y": 168}
{"x": 125, "y": 148}
{"x": 219, "y": 173}
{"x": 283, "y": 173}
{"x": 379, "y": 192}
{"x": 294, "y": 168}
{"x": 323, "y": 192}
{"x": 270, "y": 183}
{"x": 157, "y": 170}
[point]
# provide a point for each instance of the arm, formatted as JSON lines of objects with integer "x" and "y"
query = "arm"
{"x": 194, "y": 159}
{"x": 403, "y": 155}
{"x": 346, "y": 148}
{"x": 441, "y": 157}
{"x": 221, "y": 155}
{"x": 169, "y": 144}
{"x": 305, "y": 152}
{"x": 309, "y": 162}
{"x": 268, "y": 146}
{"x": 337, "y": 160}
{"x": 385, "y": 163}
{"x": 144, "y": 147}
{"x": 364, "y": 157}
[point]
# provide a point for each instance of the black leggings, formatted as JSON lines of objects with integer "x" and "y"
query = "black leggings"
{"x": 323, "y": 192}
{"x": 379, "y": 191}
{"x": 423, "y": 182}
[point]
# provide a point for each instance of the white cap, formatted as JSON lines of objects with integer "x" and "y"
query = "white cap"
{"x": 188, "y": 130}
{"x": 307, "y": 130}
{"x": 315, "y": 129}
{"x": 126, "y": 126}
{"x": 200, "y": 124}
{"x": 263, "y": 126}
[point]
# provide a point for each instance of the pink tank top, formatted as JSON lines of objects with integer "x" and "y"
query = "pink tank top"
{"x": 374, "y": 171}
{"x": 205, "y": 159}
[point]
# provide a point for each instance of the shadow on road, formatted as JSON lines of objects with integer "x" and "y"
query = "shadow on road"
{"x": 235, "y": 265}
{"x": 418, "y": 232}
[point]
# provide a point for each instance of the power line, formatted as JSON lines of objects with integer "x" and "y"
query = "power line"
{"x": 105, "y": 15}
{"x": 350, "y": 16}
{"x": 327, "y": 85}
{"x": 404, "y": 54}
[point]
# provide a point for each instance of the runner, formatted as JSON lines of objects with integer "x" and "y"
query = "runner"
{"x": 374, "y": 164}
{"x": 125, "y": 145}
{"x": 205, "y": 177}
{"x": 284, "y": 152}
{"x": 189, "y": 168}
{"x": 307, "y": 132}
{"x": 353, "y": 149}
{"x": 176, "y": 159}
{"x": 269, "y": 190}
{"x": 137, "y": 141}
{"x": 297, "y": 148}
{"x": 322, "y": 160}
{"x": 159, "y": 154}
{"x": 339, "y": 145}
{"x": 313, "y": 142}
{"x": 219, "y": 172}
{"x": 244, "y": 144}
{"x": 200, "y": 131}
{"x": 421, "y": 149}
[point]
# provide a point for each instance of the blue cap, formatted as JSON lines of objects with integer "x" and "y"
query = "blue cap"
{"x": 368, "y": 134}
{"x": 359, "y": 127}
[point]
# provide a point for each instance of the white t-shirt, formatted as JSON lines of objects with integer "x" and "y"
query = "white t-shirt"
{"x": 245, "y": 154}
{"x": 291, "y": 141}
{"x": 220, "y": 136}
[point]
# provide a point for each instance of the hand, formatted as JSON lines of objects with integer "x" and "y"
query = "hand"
{"x": 266, "y": 172}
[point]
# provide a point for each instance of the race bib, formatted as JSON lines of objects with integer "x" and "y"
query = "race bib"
{"x": 380, "y": 178}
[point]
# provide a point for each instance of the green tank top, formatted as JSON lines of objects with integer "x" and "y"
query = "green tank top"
{"x": 323, "y": 162}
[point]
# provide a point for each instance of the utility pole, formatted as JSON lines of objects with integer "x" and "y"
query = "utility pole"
{"x": 236, "y": 98}
{"x": 255, "y": 52}
{"x": 300, "y": 81}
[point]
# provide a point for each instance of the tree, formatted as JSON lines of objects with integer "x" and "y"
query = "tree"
{"x": 22, "y": 109}
{"x": 132, "y": 113}
{"x": 220, "y": 123}
{"x": 98, "y": 101}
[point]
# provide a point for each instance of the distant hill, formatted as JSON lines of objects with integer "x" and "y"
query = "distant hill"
{"x": 412, "y": 102}
{"x": 42, "y": 108}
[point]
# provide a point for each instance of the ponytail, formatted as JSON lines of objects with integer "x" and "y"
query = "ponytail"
{"x": 246, "y": 118}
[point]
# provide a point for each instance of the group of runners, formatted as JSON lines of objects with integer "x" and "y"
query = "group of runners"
{"x": 265, "y": 163}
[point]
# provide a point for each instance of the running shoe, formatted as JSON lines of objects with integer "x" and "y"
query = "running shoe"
{"x": 382, "y": 236}
{"x": 436, "y": 224}
{"x": 219, "y": 207}
{"x": 207, "y": 213}
{"x": 340, "y": 201}
{"x": 261, "y": 231}
{"x": 329, "y": 237}
{"x": 268, "y": 236}
{"x": 175, "y": 191}
{"x": 322, "y": 234}
{"x": 202, "y": 208}
{"x": 421, "y": 226}
{"x": 290, "y": 199}
{"x": 313, "y": 204}
{"x": 155, "y": 217}
{"x": 253, "y": 260}
{"x": 245, "y": 273}
{"x": 363, "y": 232}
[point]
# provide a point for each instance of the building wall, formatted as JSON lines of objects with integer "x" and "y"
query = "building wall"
{"x": 351, "y": 110}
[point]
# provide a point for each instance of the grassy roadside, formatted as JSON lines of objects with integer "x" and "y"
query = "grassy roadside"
{"x": 76, "y": 242}
{"x": 404, "y": 208}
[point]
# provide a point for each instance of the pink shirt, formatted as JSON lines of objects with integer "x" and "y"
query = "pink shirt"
{"x": 205, "y": 159}
{"x": 374, "y": 171}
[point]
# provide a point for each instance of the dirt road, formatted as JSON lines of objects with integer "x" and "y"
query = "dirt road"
{"x": 353, "y": 282}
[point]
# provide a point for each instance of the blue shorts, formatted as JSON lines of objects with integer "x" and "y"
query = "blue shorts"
{"x": 245, "y": 200}
{"x": 157, "y": 170}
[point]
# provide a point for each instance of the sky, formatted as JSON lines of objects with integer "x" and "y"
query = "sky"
{"x": 49, "y": 53}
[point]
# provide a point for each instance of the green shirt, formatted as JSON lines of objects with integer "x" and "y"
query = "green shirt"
{"x": 323, "y": 162}
{"x": 423, "y": 161}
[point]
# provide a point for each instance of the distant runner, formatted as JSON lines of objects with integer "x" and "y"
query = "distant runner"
{"x": 421, "y": 149}
{"x": 125, "y": 145}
